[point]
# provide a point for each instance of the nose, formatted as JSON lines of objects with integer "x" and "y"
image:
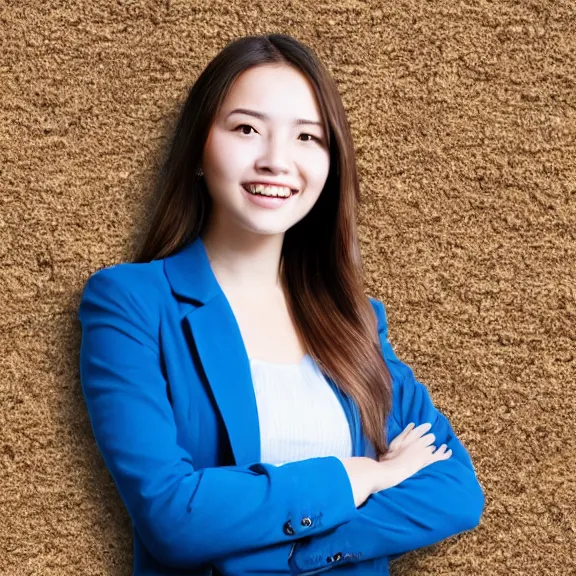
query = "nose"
{"x": 275, "y": 156}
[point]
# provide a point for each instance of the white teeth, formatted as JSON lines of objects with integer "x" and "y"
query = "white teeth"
{"x": 274, "y": 191}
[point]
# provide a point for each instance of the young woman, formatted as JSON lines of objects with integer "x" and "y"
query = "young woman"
{"x": 239, "y": 382}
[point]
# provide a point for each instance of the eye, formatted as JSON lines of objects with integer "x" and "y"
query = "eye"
{"x": 311, "y": 137}
{"x": 242, "y": 126}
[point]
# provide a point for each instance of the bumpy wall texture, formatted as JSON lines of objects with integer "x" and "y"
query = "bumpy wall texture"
{"x": 464, "y": 119}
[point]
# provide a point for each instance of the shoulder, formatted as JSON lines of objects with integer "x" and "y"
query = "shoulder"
{"x": 398, "y": 370}
{"x": 130, "y": 277}
{"x": 130, "y": 273}
{"x": 380, "y": 311}
{"x": 127, "y": 286}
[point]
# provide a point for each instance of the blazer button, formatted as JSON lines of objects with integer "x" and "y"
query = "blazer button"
{"x": 306, "y": 522}
{"x": 288, "y": 530}
{"x": 337, "y": 557}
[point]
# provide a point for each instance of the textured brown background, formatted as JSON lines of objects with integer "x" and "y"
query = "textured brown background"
{"x": 464, "y": 117}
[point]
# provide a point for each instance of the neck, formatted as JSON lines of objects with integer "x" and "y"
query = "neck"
{"x": 245, "y": 261}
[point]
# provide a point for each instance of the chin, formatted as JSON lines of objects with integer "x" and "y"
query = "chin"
{"x": 270, "y": 232}
{"x": 263, "y": 230}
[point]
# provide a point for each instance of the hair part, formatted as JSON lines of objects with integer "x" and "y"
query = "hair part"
{"x": 320, "y": 267}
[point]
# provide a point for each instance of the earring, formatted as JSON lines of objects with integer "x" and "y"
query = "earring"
{"x": 199, "y": 172}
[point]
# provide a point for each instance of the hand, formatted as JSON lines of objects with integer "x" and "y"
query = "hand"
{"x": 408, "y": 453}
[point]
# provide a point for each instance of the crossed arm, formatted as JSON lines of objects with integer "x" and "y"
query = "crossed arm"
{"x": 439, "y": 501}
{"x": 174, "y": 507}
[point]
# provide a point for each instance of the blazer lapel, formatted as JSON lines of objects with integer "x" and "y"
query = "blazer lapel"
{"x": 218, "y": 342}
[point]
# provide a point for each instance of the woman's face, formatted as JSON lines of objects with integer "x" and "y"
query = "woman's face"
{"x": 268, "y": 132}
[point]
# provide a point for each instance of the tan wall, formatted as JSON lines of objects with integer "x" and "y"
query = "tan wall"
{"x": 464, "y": 117}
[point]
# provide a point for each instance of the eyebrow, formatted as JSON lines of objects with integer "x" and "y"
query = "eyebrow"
{"x": 263, "y": 116}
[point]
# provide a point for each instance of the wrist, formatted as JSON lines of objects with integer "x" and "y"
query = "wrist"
{"x": 384, "y": 476}
{"x": 374, "y": 474}
{"x": 363, "y": 476}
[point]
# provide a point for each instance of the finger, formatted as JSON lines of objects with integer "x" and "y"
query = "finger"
{"x": 406, "y": 430}
{"x": 398, "y": 440}
{"x": 402, "y": 436}
{"x": 436, "y": 455}
{"x": 419, "y": 431}
{"x": 427, "y": 439}
{"x": 442, "y": 453}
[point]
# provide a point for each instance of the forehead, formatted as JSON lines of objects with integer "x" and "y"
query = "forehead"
{"x": 280, "y": 91}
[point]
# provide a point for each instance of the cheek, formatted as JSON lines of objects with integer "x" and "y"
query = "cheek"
{"x": 318, "y": 169}
{"x": 223, "y": 157}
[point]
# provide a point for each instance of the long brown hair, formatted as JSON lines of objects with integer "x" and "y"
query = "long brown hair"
{"x": 321, "y": 268}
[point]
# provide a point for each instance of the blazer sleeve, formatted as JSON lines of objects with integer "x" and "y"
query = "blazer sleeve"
{"x": 186, "y": 517}
{"x": 441, "y": 500}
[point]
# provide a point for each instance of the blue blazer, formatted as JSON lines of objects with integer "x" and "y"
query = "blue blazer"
{"x": 167, "y": 383}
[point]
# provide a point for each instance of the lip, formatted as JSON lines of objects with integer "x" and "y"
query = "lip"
{"x": 293, "y": 189}
{"x": 267, "y": 202}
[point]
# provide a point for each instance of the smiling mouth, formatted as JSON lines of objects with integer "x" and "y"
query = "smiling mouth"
{"x": 270, "y": 191}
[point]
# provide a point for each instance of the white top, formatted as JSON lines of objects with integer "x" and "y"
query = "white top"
{"x": 300, "y": 416}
